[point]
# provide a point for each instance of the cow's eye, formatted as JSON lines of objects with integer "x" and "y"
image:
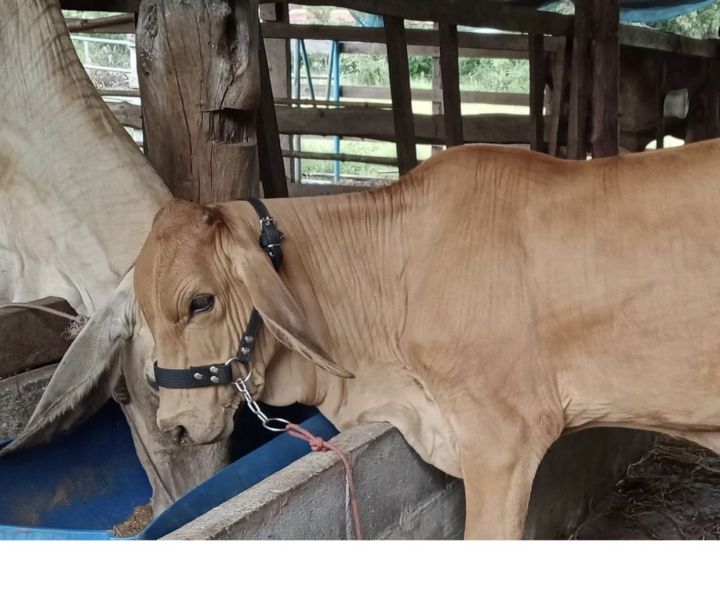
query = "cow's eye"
{"x": 201, "y": 303}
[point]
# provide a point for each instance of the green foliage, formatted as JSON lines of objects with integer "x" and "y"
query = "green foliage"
{"x": 498, "y": 75}
{"x": 700, "y": 24}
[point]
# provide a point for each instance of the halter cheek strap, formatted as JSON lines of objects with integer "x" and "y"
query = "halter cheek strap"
{"x": 221, "y": 373}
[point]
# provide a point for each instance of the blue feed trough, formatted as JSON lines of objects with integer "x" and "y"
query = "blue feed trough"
{"x": 82, "y": 485}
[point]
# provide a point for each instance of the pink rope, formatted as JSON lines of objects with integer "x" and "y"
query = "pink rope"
{"x": 318, "y": 444}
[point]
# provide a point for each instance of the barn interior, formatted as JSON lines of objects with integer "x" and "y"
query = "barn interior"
{"x": 596, "y": 83}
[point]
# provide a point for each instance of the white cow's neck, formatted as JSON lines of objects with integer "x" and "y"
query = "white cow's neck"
{"x": 77, "y": 198}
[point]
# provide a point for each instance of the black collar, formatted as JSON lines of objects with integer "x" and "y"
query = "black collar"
{"x": 221, "y": 373}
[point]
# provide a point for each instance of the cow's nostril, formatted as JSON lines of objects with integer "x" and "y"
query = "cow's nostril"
{"x": 178, "y": 433}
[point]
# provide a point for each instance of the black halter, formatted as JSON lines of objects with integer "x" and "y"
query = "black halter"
{"x": 221, "y": 373}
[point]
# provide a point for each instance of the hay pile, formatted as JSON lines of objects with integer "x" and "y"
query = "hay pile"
{"x": 136, "y": 522}
{"x": 671, "y": 493}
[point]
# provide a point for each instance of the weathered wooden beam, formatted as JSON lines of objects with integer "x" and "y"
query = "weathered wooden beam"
{"x": 342, "y": 157}
{"x": 298, "y": 189}
{"x": 128, "y": 114}
{"x": 378, "y": 124}
{"x": 121, "y": 23}
{"x": 371, "y": 36}
{"x": 272, "y": 169}
{"x": 474, "y": 13}
{"x": 119, "y": 92}
{"x": 279, "y": 61}
{"x": 537, "y": 92}
{"x": 404, "y": 124}
{"x": 642, "y": 37}
{"x": 579, "y": 82}
{"x": 199, "y": 81}
{"x": 363, "y": 92}
{"x": 31, "y": 338}
{"x": 605, "y": 77}
{"x": 450, "y": 84}
{"x": 102, "y": 5}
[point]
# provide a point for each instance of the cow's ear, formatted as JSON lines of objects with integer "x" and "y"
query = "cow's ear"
{"x": 279, "y": 309}
{"x": 85, "y": 377}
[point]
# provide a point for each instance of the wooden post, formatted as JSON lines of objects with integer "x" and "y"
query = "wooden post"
{"x": 450, "y": 84}
{"x": 579, "y": 81}
{"x": 199, "y": 83}
{"x": 278, "y": 58}
{"x": 400, "y": 92}
{"x": 605, "y": 72}
{"x": 537, "y": 91}
{"x": 272, "y": 170}
{"x": 660, "y": 123}
{"x": 560, "y": 71}
{"x": 436, "y": 104}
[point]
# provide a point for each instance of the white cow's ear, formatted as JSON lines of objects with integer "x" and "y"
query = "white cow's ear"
{"x": 279, "y": 310}
{"x": 85, "y": 377}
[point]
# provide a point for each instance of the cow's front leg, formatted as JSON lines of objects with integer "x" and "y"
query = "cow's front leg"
{"x": 497, "y": 491}
{"x": 502, "y": 442}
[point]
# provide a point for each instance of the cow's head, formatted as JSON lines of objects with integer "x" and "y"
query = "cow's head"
{"x": 197, "y": 279}
{"x": 116, "y": 339}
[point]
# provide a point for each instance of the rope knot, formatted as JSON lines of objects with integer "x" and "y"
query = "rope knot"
{"x": 317, "y": 444}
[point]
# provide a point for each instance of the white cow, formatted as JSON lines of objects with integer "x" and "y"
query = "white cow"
{"x": 76, "y": 201}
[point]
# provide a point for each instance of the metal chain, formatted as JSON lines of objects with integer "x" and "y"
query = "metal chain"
{"x": 266, "y": 421}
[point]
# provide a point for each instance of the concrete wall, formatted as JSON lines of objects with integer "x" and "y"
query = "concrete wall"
{"x": 400, "y": 496}
{"x": 403, "y": 498}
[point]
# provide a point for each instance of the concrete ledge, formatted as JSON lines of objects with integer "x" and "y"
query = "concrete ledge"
{"x": 399, "y": 497}
{"x": 403, "y": 498}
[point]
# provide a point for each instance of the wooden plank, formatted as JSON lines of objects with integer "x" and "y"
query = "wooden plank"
{"x": 122, "y": 23}
{"x": 450, "y": 84}
{"x": 119, "y": 92}
{"x": 357, "y": 47}
{"x": 31, "y": 338}
{"x": 298, "y": 189}
{"x": 376, "y": 35}
{"x": 404, "y": 124}
{"x": 605, "y": 77}
{"x": 272, "y": 169}
{"x": 279, "y": 62}
{"x": 198, "y": 105}
{"x": 660, "y": 122}
{"x": 560, "y": 72}
{"x": 642, "y": 37}
{"x": 474, "y": 13}
{"x": 383, "y": 93}
{"x": 579, "y": 82}
{"x": 128, "y": 114}
{"x": 342, "y": 157}
{"x": 537, "y": 92}
{"x": 102, "y": 5}
{"x": 378, "y": 124}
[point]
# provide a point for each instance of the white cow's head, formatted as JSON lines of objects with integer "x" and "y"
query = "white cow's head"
{"x": 116, "y": 339}
{"x": 197, "y": 279}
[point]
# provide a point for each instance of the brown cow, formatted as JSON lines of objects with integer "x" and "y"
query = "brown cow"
{"x": 489, "y": 301}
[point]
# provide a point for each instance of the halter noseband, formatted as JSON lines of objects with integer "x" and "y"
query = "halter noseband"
{"x": 221, "y": 373}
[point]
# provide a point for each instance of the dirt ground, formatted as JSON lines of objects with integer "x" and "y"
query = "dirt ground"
{"x": 671, "y": 493}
